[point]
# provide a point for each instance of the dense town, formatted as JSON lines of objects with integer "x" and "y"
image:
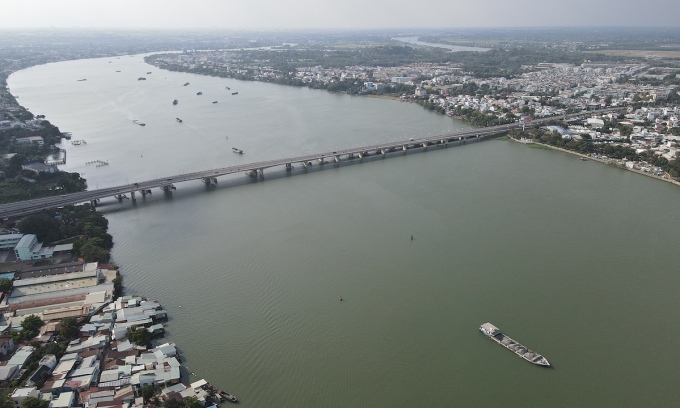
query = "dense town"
{"x": 648, "y": 125}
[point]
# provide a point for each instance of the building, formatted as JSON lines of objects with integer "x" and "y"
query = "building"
{"x": 7, "y": 158}
{"x": 29, "y": 248}
{"x": 6, "y": 344}
{"x": 9, "y": 241}
{"x": 401, "y": 80}
{"x": 20, "y": 394}
{"x": 65, "y": 400}
{"x": 40, "y": 168}
{"x": 31, "y": 139}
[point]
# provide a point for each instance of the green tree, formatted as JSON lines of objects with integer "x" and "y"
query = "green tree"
{"x": 93, "y": 253}
{"x": 68, "y": 328}
{"x": 192, "y": 402}
{"x": 31, "y": 402}
{"x": 46, "y": 228}
{"x": 140, "y": 336}
{"x": 30, "y": 327}
{"x": 147, "y": 393}
{"x": 5, "y": 285}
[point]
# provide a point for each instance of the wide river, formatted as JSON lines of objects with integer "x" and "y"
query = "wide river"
{"x": 575, "y": 259}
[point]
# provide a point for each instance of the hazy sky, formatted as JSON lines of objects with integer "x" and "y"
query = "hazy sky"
{"x": 334, "y": 14}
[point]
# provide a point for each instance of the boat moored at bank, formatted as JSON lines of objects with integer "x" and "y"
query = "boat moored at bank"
{"x": 235, "y": 150}
{"x": 496, "y": 335}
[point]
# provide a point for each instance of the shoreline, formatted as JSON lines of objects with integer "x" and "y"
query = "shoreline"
{"x": 526, "y": 142}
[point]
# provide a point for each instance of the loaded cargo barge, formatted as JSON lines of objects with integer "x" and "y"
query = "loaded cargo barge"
{"x": 529, "y": 355}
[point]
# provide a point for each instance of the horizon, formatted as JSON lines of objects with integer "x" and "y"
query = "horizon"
{"x": 272, "y": 16}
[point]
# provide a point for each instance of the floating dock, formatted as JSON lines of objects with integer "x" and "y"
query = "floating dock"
{"x": 496, "y": 335}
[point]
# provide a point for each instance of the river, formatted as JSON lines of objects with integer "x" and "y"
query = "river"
{"x": 563, "y": 255}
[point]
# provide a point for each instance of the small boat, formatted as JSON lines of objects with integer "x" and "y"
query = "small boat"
{"x": 227, "y": 88}
{"x": 199, "y": 93}
{"x": 214, "y": 101}
{"x": 179, "y": 120}
{"x": 139, "y": 123}
{"x": 185, "y": 84}
{"x": 228, "y": 396}
{"x": 141, "y": 79}
{"x": 175, "y": 102}
{"x": 234, "y": 93}
{"x": 583, "y": 159}
{"x": 148, "y": 72}
{"x": 117, "y": 71}
{"x": 235, "y": 150}
{"x": 81, "y": 80}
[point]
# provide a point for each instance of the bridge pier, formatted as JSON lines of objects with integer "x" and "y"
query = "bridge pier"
{"x": 289, "y": 166}
{"x": 383, "y": 151}
{"x": 210, "y": 181}
{"x": 321, "y": 161}
{"x": 424, "y": 145}
{"x": 93, "y": 205}
{"x": 132, "y": 195}
{"x": 120, "y": 197}
{"x": 168, "y": 187}
{"x": 350, "y": 156}
{"x": 261, "y": 172}
{"x": 337, "y": 159}
{"x": 252, "y": 173}
{"x": 443, "y": 143}
{"x": 361, "y": 155}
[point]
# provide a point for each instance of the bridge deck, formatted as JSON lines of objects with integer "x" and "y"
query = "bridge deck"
{"x": 29, "y": 206}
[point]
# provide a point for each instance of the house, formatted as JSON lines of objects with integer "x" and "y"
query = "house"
{"x": 65, "y": 400}
{"x": 29, "y": 248}
{"x": 20, "y": 394}
{"x": 9, "y": 241}
{"x": 7, "y": 158}
{"x": 31, "y": 139}
{"x": 6, "y": 344}
{"x": 40, "y": 168}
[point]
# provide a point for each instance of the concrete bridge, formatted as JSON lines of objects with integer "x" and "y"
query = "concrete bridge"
{"x": 257, "y": 169}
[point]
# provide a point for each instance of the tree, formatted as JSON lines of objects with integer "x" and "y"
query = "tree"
{"x": 5, "y": 285}
{"x": 30, "y": 327}
{"x": 147, "y": 393}
{"x": 68, "y": 328}
{"x": 93, "y": 253}
{"x": 191, "y": 403}
{"x": 31, "y": 402}
{"x": 140, "y": 336}
{"x": 46, "y": 228}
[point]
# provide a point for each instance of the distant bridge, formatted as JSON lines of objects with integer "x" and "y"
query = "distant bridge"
{"x": 257, "y": 169}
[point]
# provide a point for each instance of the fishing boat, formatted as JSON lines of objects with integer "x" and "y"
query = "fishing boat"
{"x": 235, "y": 150}
{"x": 138, "y": 122}
{"x": 81, "y": 80}
{"x": 214, "y": 101}
{"x": 199, "y": 93}
{"x": 179, "y": 120}
{"x": 141, "y": 79}
{"x": 234, "y": 93}
{"x": 228, "y": 396}
{"x": 185, "y": 84}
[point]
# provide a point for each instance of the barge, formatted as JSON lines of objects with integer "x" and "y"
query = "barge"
{"x": 496, "y": 335}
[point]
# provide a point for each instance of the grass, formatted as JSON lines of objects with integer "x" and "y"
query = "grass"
{"x": 537, "y": 146}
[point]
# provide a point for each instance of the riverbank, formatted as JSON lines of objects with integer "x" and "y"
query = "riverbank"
{"x": 610, "y": 162}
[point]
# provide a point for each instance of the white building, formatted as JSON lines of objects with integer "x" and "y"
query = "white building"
{"x": 20, "y": 394}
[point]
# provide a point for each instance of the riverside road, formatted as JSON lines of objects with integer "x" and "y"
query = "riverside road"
{"x": 256, "y": 169}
